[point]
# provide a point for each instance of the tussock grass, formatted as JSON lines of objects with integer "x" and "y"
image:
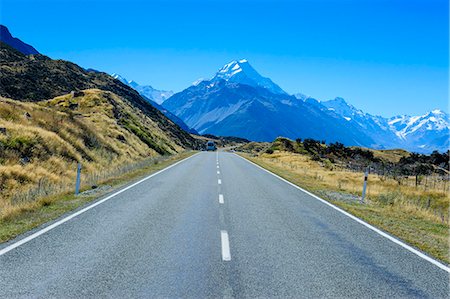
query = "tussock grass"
{"x": 418, "y": 215}
{"x": 23, "y": 217}
{"x": 41, "y": 144}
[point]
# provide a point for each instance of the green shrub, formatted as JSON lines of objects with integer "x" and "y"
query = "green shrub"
{"x": 269, "y": 151}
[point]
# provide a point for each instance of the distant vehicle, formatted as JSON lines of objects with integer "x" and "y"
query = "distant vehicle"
{"x": 210, "y": 146}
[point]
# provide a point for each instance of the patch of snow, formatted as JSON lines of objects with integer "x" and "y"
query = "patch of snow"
{"x": 198, "y": 81}
{"x": 437, "y": 111}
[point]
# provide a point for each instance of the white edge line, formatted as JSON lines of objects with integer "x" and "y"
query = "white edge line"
{"x": 380, "y": 232}
{"x": 58, "y": 223}
{"x": 226, "y": 256}
{"x": 221, "y": 201}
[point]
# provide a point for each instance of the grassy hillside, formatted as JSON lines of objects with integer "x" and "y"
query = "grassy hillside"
{"x": 41, "y": 143}
{"x": 35, "y": 78}
{"x": 411, "y": 207}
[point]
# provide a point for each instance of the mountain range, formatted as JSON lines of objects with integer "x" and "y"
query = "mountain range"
{"x": 157, "y": 96}
{"x": 238, "y": 101}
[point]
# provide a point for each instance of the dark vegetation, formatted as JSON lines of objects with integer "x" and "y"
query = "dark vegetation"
{"x": 227, "y": 138}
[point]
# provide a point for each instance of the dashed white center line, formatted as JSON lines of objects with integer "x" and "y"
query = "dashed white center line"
{"x": 226, "y": 255}
{"x": 219, "y": 181}
{"x": 218, "y": 172}
{"x": 217, "y": 166}
{"x": 221, "y": 201}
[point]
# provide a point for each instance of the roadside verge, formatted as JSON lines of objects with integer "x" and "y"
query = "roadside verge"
{"x": 50, "y": 208}
{"x": 366, "y": 216}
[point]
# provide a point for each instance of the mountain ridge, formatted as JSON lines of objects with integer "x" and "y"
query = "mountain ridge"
{"x": 24, "y": 48}
{"x": 240, "y": 71}
{"x": 145, "y": 91}
{"x": 36, "y": 78}
{"x": 157, "y": 96}
{"x": 211, "y": 106}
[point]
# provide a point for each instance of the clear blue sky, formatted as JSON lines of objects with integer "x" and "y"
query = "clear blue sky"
{"x": 386, "y": 57}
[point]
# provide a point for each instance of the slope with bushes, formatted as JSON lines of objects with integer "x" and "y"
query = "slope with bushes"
{"x": 41, "y": 143}
{"x": 35, "y": 78}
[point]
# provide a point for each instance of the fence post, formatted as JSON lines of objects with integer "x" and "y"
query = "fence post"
{"x": 366, "y": 175}
{"x": 77, "y": 183}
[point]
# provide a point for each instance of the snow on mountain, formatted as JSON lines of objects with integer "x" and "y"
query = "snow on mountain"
{"x": 422, "y": 133}
{"x": 238, "y": 101}
{"x": 374, "y": 126}
{"x": 301, "y": 96}
{"x": 228, "y": 108}
{"x": 158, "y": 96}
{"x": 198, "y": 81}
{"x": 436, "y": 120}
{"x": 240, "y": 71}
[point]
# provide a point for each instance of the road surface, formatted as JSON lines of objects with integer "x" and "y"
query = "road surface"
{"x": 214, "y": 225}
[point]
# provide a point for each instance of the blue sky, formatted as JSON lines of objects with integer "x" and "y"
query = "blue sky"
{"x": 386, "y": 57}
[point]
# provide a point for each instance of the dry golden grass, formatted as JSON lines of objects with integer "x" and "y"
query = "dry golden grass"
{"x": 418, "y": 215}
{"x": 44, "y": 142}
{"x": 23, "y": 217}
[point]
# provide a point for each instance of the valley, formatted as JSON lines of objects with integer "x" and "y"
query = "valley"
{"x": 230, "y": 187}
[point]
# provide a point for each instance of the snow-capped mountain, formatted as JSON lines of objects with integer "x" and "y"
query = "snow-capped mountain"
{"x": 240, "y": 71}
{"x": 238, "y": 101}
{"x": 157, "y": 96}
{"x": 222, "y": 106}
{"x": 423, "y": 133}
{"x": 404, "y": 126}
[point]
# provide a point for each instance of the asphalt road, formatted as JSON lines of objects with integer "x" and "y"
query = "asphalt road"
{"x": 215, "y": 229}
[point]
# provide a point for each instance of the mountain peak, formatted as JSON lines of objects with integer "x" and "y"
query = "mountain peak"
{"x": 155, "y": 95}
{"x": 234, "y": 67}
{"x": 240, "y": 71}
{"x": 438, "y": 112}
{"x": 7, "y": 38}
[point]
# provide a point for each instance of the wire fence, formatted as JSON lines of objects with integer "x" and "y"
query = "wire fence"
{"x": 93, "y": 179}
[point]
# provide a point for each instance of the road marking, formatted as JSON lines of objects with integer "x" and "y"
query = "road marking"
{"x": 219, "y": 181}
{"x": 226, "y": 256}
{"x": 218, "y": 172}
{"x": 58, "y": 223}
{"x": 378, "y": 231}
{"x": 221, "y": 199}
{"x": 217, "y": 166}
